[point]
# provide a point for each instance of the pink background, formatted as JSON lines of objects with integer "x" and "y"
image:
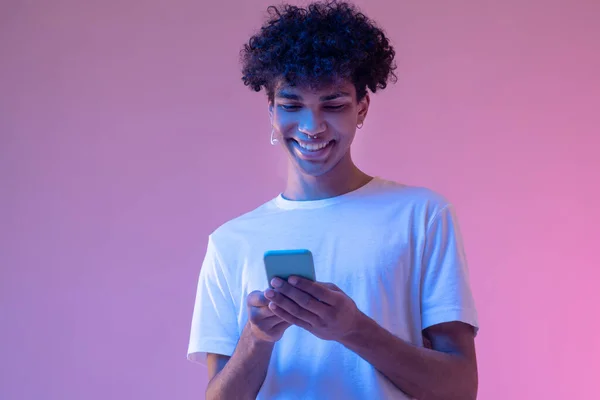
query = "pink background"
{"x": 126, "y": 136}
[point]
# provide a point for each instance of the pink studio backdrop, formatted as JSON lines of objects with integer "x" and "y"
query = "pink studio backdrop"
{"x": 126, "y": 137}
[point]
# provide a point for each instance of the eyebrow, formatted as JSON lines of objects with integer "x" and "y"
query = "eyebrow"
{"x": 292, "y": 96}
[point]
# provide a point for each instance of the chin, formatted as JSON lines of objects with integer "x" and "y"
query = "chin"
{"x": 314, "y": 173}
{"x": 316, "y": 170}
{"x": 309, "y": 170}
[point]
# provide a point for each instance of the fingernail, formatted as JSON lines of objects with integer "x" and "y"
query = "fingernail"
{"x": 269, "y": 293}
{"x": 276, "y": 282}
{"x": 293, "y": 280}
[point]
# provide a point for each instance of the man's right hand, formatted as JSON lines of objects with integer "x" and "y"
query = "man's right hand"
{"x": 244, "y": 372}
{"x": 264, "y": 325}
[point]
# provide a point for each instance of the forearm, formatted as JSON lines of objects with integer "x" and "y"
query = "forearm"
{"x": 421, "y": 373}
{"x": 245, "y": 372}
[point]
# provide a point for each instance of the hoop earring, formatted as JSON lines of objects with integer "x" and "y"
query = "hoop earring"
{"x": 274, "y": 140}
{"x": 360, "y": 125}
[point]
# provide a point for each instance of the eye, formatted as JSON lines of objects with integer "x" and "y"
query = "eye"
{"x": 289, "y": 107}
{"x": 335, "y": 107}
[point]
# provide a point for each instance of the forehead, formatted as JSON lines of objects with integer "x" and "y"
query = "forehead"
{"x": 322, "y": 92}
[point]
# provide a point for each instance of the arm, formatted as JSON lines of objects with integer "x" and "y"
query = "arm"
{"x": 241, "y": 375}
{"x": 448, "y": 371}
{"x": 237, "y": 361}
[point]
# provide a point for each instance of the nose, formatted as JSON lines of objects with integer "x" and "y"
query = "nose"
{"x": 311, "y": 124}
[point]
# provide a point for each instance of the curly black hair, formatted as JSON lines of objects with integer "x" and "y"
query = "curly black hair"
{"x": 316, "y": 46}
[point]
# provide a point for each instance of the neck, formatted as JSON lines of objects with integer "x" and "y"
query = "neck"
{"x": 343, "y": 178}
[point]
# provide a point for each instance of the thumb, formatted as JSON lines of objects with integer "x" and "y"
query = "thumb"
{"x": 257, "y": 299}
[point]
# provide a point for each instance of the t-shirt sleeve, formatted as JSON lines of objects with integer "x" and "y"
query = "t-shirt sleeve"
{"x": 214, "y": 322}
{"x": 446, "y": 293}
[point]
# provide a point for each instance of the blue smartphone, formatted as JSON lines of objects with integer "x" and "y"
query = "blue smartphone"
{"x": 285, "y": 263}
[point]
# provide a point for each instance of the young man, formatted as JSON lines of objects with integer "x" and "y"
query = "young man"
{"x": 392, "y": 315}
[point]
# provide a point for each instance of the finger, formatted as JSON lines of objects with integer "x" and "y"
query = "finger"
{"x": 282, "y": 324}
{"x": 291, "y": 307}
{"x": 257, "y": 299}
{"x": 315, "y": 289}
{"x": 258, "y": 313}
{"x": 287, "y": 317}
{"x": 302, "y": 298}
{"x": 271, "y": 322}
{"x": 279, "y": 328}
{"x": 331, "y": 286}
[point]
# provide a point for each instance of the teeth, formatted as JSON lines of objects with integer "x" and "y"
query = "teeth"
{"x": 313, "y": 146}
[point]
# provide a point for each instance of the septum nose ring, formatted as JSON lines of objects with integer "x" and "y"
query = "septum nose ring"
{"x": 316, "y": 135}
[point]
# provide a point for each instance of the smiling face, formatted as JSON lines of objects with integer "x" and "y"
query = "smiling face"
{"x": 317, "y": 127}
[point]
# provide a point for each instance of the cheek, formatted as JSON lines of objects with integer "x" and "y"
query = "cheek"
{"x": 284, "y": 123}
{"x": 344, "y": 124}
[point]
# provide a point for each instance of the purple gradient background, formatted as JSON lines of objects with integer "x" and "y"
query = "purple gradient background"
{"x": 126, "y": 136}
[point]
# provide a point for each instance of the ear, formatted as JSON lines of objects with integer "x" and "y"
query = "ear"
{"x": 363, "y": 108}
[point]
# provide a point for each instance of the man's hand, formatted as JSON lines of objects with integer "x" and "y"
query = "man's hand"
{"x": 320, "y": 308}
{"x": 243, "y": 374}
{"x": 264, "y": 324}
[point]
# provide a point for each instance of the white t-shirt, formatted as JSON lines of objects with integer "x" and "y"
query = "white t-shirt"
{"x": 395, "y": 250}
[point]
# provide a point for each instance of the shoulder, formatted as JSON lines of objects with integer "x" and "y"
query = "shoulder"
{"x": 232, "y": 231}
{"x": 421, "y": 200}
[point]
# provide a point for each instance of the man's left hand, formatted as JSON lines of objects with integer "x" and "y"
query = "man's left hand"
{"x": 320, "y": 308}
